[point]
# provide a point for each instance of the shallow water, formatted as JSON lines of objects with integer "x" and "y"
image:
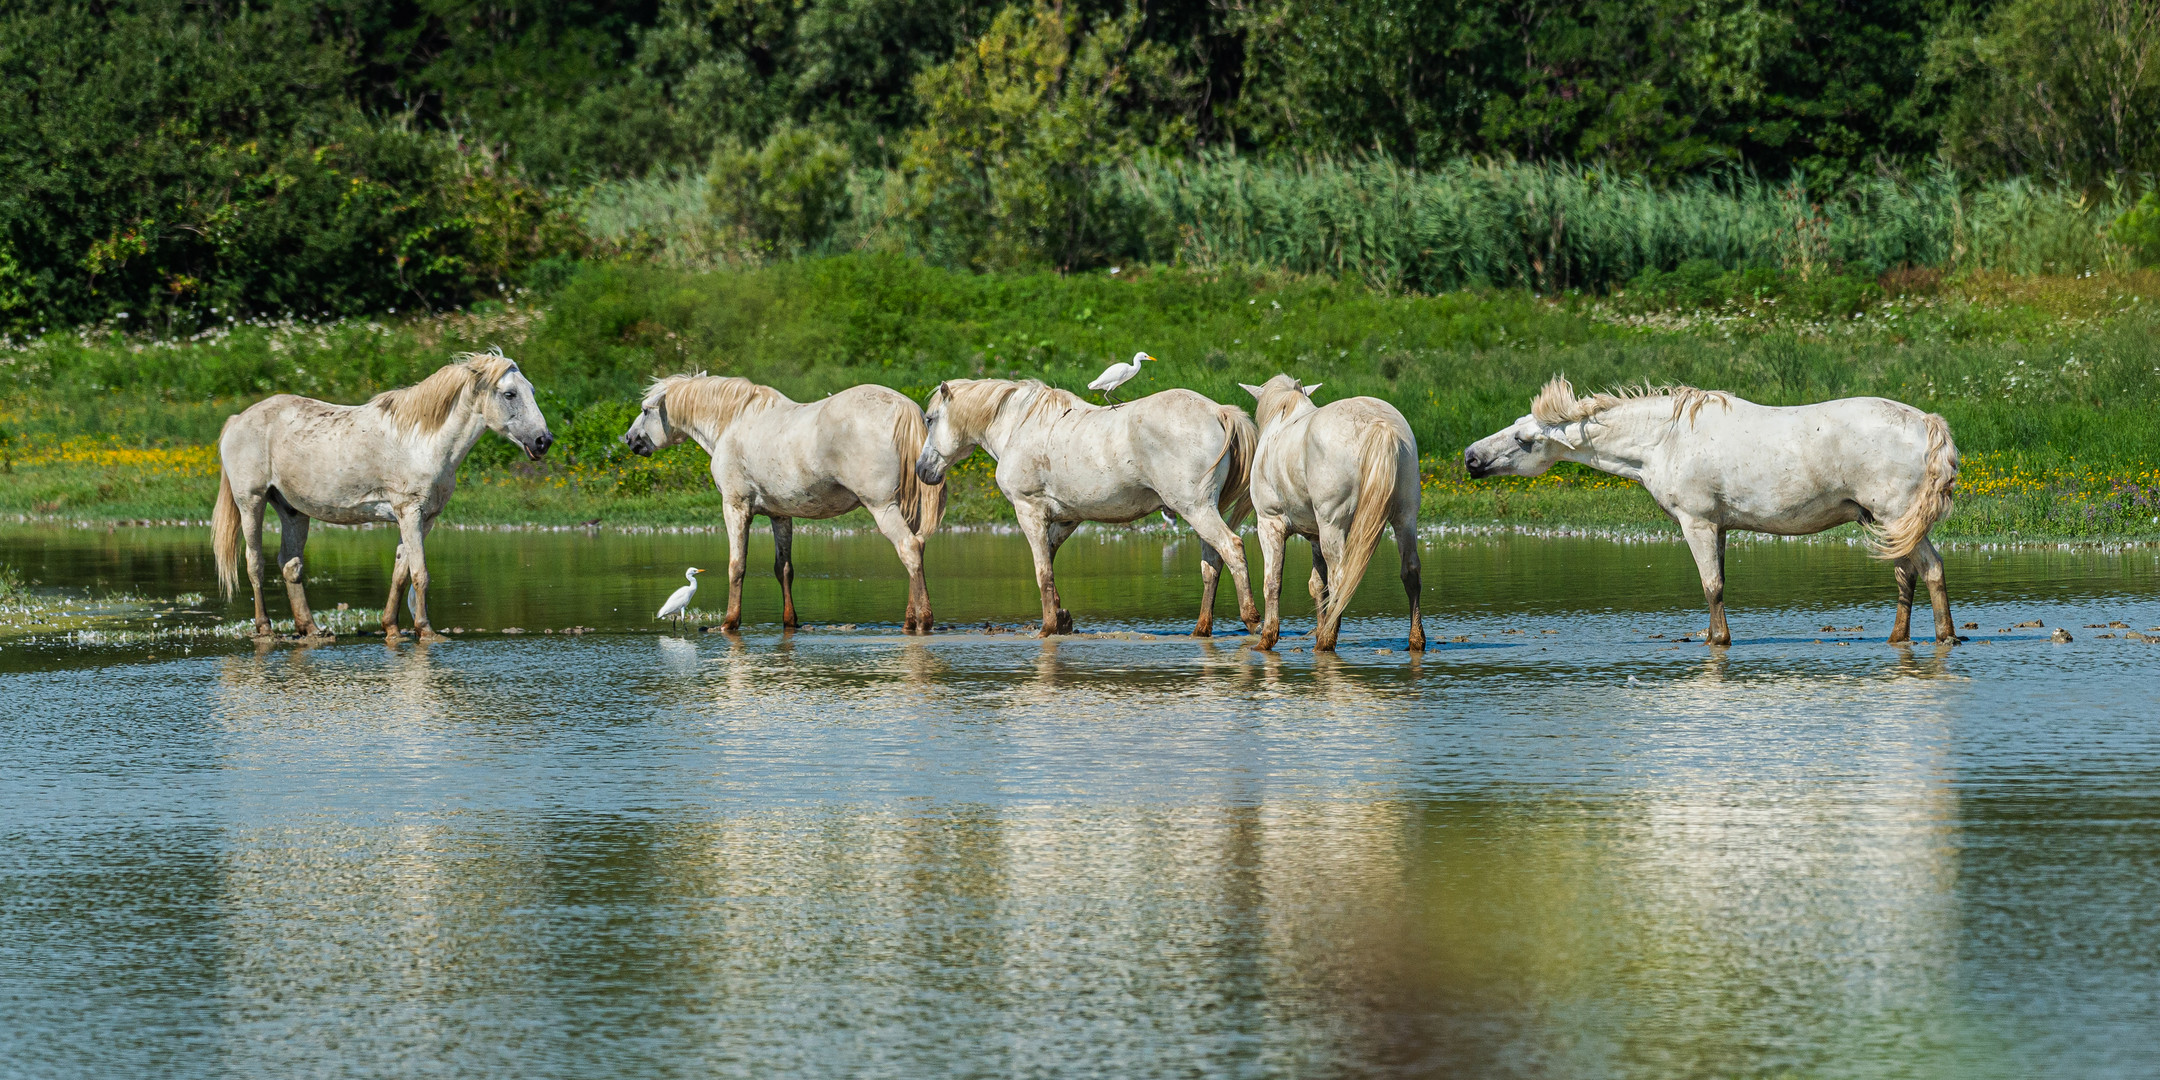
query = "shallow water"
{"x": 1586, "y": 853}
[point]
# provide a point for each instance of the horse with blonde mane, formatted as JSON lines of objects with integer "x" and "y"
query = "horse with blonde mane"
{"x": 1716, "y": 463}
{"x": 393, "y": 459}
{"x": 1334, "y": 474}
{"x": 1063, "y": 461}
{"x": 786, "y": 460}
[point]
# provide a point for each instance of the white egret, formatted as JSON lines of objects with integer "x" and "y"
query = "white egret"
{"x": 677, "y": 603}
{"x": 1117, "y": 375}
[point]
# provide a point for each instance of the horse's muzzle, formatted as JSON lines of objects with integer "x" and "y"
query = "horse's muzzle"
{"x": 539, "y": 446}
{"x": 1474, "y": 465}
{"x": 930, "y": 469}
{"x": 638, "y": 443}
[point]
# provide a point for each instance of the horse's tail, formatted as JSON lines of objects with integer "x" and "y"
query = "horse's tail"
{"x": 1377, "y": 446}
{"x": 922, "y": 505}
{"x": 1898, "y": 539}
{"x": 1240, "y": 436}
{"x": 225, "y": 535}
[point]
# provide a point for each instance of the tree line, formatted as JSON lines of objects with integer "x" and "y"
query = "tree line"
{"x": 196, "y": 160}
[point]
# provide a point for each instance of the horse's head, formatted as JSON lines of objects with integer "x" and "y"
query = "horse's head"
{"x": 514, "y": 413}
{"x": 1526, "y": 447}
{"x": 954, "y": 420}
{"x": 651, "y": 430}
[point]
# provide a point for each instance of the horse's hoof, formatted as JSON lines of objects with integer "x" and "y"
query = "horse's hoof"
{"x": 430, "y": 636}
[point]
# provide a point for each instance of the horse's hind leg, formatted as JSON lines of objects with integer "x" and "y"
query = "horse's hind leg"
{"x": 1328, "y": 623}
{"x": 1931, "y": 568}
{"x": 783, "y": 568}
{"x": 909, "y": 547}
{"x": 1707, "y": 543}
{"x": 1223, "y": 543}
{"x": 1406, "y": 548}
{"x": 251, "y": 523}
{"x": 292, "y": 543}
{"x": 1035, "y": 526}
{"x": 1908, "y": 572}
{"x": 1316, "y": 582}
{"x": 1274, "y": 536}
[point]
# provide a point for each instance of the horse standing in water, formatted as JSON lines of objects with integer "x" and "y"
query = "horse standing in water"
{"x": 1788, "y": 471}
{"x": 393, "y": 459}
{"x": 786, "y": 460}
{"x": 1063, "y": 461}
{"x": 1334, "y": 474}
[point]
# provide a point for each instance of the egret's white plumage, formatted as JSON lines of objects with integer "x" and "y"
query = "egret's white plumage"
{"x": 676, "y": 603}
{"x": 1117, "y": 375}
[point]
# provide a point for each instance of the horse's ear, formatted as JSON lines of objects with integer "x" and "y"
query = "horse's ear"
{"x": 1309, "y": 389}
{"x": 1559, "y": 435}
{"x": 1251, "y": 389}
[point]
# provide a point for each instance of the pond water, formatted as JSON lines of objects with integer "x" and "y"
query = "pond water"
{"x": 1580, "y": 849}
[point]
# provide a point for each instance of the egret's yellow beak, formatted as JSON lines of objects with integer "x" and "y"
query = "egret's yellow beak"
{"x": 695, "y": 570}
{"x": 1149, "y": 359}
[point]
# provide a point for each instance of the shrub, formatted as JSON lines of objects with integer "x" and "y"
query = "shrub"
{"x": 2138, "y": 229}
{"x": 783, "y": 197}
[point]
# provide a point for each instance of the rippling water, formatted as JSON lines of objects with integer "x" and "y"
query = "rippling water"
{"x": 1588, "y": 853}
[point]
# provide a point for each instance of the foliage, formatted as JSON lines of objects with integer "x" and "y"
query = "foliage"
{"x": 2066, "y": 89}
{"x": 782, "y": 198}
{"x": 2138, "y": 229}
{"x": 1018, "y": 126}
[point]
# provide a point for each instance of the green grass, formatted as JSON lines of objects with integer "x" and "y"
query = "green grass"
{"x": 2047, "y": 382}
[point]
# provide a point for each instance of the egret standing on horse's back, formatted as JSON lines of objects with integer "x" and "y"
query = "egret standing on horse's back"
{"x": 1117, "y": 375}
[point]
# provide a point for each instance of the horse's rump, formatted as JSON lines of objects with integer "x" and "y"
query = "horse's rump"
{"x": 1931, "y": 504}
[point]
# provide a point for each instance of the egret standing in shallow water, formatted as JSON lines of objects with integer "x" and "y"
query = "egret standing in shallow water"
{"x": 1117, "y": 375}
{"x": 681, "y": 600}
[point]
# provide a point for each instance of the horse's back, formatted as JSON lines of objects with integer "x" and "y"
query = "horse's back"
{"x": 1788, "y": 468}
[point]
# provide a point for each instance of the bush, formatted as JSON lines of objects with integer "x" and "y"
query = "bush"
{"x": 2138, "y": 229}
{"x": 782, "y": 198}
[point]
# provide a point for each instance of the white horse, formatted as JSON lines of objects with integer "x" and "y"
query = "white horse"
{"x": 1333, "y": 474}
{"x": 1063, "y": 461}
{"x": 789, "y": 460}
{"x": 392, "y": 459}
{"x": 1789, "y": 471}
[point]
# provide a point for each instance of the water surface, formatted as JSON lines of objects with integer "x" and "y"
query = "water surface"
{"x": 1590, "y": 852}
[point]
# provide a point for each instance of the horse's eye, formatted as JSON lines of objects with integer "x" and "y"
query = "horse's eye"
{"x": 1526, "y": 442}
{"x": 509, "y": 395}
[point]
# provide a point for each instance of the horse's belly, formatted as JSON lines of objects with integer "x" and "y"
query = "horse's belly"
{"x": 1122, "y": 507}
{"x": 358, "y": 512}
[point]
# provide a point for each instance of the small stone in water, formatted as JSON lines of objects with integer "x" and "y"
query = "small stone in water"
{"x": 2060, "y": 636}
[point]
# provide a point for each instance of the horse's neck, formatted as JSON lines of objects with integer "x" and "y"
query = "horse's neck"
{"x": 997, "y": 436}
{"x": 1622, "y": 439}
{"x": 461, "y": 431}
{"x": 707, "y": 432}
{"x": 1298, "y": 410}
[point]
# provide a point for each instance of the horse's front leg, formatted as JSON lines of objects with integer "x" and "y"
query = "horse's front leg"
{"x": 737, "y": 515}
{"x": 783, "y": 568}
{"x": 1210, "y": 574}
{"x": 1908, "y": 573}
{"x": 1035, "y": 526}
{"x": 413, "y": 529}
{"x": 1274, "y": 537}
{"x": 400, "y": 574}
{"x": 251, "y": 522}
{"x": 1931, "y": 568}
{"x": 292, "y": 543}
{"x": 909, "y": 547}
{"x": 1316, "y": 583}
{"x": 1707, "y": 543}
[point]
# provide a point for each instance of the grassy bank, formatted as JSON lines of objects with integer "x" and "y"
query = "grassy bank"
{"x": 2047, "y": 381}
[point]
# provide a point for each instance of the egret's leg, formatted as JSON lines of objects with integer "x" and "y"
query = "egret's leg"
{"x": 1931, "y": 569}
{"x": 1274, "y": 537}
{"x": 909, "y": 547}
{"x": 251, "y": 523}
{"x": 400, "y": 575}
{"x": 1908, "y": 574}
{"x": 414, "y": 531}
{"x": 1406, "y": 549}
{"x": 292, "y": 543}
{"x": 737, "y": 516}
{"x": 1707, "y": 543}
{"x": 1058, "y": 533}
{"x": 783, "y": 568}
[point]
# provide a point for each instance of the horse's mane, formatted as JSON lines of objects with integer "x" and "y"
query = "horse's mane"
{"x": 970, "y": 404}
{"x": 715, "y": 400}
{"x": 1557, "y": 403}
{"x": 1277, "y": 401}
{"x": 425, "y": 405}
